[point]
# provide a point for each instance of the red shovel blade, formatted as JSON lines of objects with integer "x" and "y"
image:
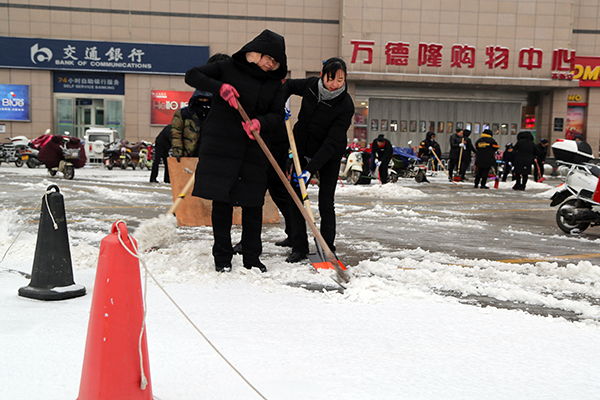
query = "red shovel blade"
{"x": 542, "y": 179}
{"x": 319, "y": 263}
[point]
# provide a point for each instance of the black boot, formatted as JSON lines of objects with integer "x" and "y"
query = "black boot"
{"x": 295, "y": 257}
{"x": 256, "y": 264}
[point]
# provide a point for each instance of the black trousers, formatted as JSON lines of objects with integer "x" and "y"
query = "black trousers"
{"x": 160, "y": 153}
{"x": 328, "y": 176}
{"x": 452, "y": 164}
{"x": 521, "y": 180}
{"x": 464, "y": 165}
{"x": 222, "y": 214}
{"x": 481, "y": 175}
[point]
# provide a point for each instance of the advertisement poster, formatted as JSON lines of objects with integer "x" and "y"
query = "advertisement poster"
{"x": 575, "y": 119}
{"x": 14, "y": 102}
{"x": 164, "y": 103}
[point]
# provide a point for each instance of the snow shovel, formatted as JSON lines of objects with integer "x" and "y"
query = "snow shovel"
{"x": 457, "y": 178}
{"x": 318, "y": 260}
{"x": 442, "y": 165}
{"x": 542, "y": 179}
{"x": 328, "y": 256}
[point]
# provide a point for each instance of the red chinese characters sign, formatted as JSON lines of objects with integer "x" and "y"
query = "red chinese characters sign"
{"x": 461, "y": 55}
{"x": 165, "y": 103}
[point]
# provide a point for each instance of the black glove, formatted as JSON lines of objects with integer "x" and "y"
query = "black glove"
{"x": 178, "y": 158}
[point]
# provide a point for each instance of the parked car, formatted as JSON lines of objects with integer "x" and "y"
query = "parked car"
{"x": 95, "y": 140}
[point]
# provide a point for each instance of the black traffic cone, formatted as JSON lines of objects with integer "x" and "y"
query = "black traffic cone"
{"x": 52, "y": 273}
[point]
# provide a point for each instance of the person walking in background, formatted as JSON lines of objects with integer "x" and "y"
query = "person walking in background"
{"x": 162, "y": 145}
{"x": 457, "y": 148}
{"x": 486, "y": 148}
{"x": 508, "y": 157}
{"x": 524, "y": 156}
{"x": 232, "y": 168}
{"x": 381, "y": 154}
{"x": 541, "y": 150}
{"x": 320, "y": 135}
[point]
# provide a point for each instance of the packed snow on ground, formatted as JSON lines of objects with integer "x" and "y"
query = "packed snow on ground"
{"x": 396, "y": 332}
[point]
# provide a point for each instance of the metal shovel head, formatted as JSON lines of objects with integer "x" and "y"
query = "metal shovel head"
{"x": 320, "y": 263}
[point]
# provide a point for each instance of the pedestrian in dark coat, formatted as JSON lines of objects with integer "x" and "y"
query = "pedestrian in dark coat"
{"x": 321, "y": 136}
{"x": 382, "y": 151}
{"x": 525, "y": 154}
{"x": 162, "y": 145}
{"x": 469, "y": 149}
{"x": 508, "y": 158}
{"x": 541, "y": 150}
{"x": 427, "y": 148}
{"x": 51, "y": 153}
{"x": 457, "y": 148}
{"x": 486, "y": 148}
{"x": 232, "y": 168}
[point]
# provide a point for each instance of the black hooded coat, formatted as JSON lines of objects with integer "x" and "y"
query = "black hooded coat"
{"x": 232, "y": 167}
{"x": 525, "y": 153}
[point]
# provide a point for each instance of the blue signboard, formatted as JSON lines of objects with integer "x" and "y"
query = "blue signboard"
{"x": 88, "y": 82}
{"x": 83, "y": 55}
{"x": 14, "y": 102}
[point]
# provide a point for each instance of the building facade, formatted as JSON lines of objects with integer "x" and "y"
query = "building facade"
{"x": 413, "y": 65}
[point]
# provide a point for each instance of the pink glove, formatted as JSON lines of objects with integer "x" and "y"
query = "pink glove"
{"x": 229, "y": 94}
{"x": 251, "y": 126}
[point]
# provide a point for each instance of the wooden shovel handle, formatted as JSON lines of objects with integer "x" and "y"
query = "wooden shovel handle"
{"x": 182, "y": 195}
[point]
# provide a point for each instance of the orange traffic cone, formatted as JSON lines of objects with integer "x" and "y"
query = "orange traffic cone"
{"x": 115, "y": 365}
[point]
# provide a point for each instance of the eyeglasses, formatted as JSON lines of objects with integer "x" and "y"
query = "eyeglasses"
{"x": 269, "y": 59}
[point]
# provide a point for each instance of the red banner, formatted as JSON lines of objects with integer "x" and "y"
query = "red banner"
{"x": 164, "y": 103}
{"x": 587, "y": 70}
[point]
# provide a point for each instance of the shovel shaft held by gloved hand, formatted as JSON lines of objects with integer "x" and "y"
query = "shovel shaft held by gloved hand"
{"x": 328, "y": 253}
{"x": 442, "y": 165}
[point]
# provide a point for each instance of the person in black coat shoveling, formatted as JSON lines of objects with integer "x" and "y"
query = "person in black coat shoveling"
{"x": 427, "y": 148}
{"x": 381, "y": 154}
{"x": 320, "y": 135}
{"x": 232, "y": 168}
{"x": 456, "y": 156}
{"x": 508, "y": 157}
{"x": 486, "y": 149}
{"x": 524, "y": 156}
{"x": 162, "y": 145}
{"x": 469, "y": 149}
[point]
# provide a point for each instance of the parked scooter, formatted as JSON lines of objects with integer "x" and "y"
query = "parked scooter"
{"x": 116, "y": 155}
{"x": 9, "y": 153}
{"x": 353, "y": 169}
{"x": 407, "y": 165}
{"x": 581, "y": 181}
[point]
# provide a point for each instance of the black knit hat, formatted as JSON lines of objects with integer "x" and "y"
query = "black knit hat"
{"x": 488, "y": 132}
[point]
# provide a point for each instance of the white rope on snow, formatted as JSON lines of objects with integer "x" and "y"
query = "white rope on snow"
{"x": 144, "y": 381}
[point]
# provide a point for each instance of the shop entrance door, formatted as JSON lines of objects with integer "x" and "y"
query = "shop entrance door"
{"x": 88, "y": 113}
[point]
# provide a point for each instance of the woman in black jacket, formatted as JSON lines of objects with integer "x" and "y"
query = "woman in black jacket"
{"x": 232, "y": 169}
{"x": 383, "y": 151}
{"x": 320, "y": 134}
{"x": 524, "y": 156}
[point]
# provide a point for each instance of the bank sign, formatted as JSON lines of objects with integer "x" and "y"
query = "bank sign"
{"x": 14, "y": 102}
{"x": 80, "y": 55}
